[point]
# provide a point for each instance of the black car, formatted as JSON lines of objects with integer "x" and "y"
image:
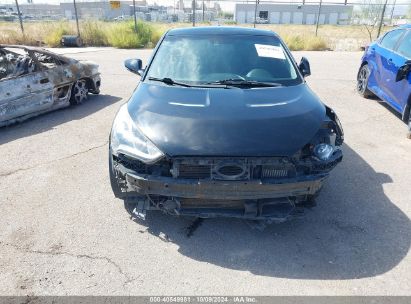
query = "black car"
{"x": 222, "y": 123}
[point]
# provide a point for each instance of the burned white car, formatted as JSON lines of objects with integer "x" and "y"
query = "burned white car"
{"x": 34, "y": 81}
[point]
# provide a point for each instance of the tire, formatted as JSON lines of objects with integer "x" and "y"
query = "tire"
{"x": 79, "y": 92}
{"x": 113, "y": 181}
{"x": 362, "y": 82}
{"x": 408, "y": 121}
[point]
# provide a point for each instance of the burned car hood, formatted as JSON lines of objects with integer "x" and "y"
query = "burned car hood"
{"x": 183, "y": 121}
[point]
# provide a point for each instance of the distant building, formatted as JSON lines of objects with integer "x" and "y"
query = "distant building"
{"x": 41, "y": 11}
{"x": 293, "y": 13}
{"x": 98, "y": 9}
{"x": 110, "y": 10}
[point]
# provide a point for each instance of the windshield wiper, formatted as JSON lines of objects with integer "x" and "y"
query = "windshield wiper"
{"x": 170, "y": 81}
{"x": 245, "y": 83}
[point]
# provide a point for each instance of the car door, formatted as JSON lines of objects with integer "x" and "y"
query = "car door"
{"x": 25, "y": 94}
{"x": 400, "y": 91}
{"x": 388, "y": 63}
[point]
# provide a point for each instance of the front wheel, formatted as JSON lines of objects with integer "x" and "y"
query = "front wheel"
{"x": 79, "y": 92}
{"x": 362, "y": 81}
{"x": 408, "y": 121}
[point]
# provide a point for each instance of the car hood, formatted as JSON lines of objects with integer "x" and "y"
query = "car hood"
{"x": 183, "y": 121}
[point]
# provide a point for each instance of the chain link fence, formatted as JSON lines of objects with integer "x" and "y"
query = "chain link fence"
{"x": 97, "y": 21}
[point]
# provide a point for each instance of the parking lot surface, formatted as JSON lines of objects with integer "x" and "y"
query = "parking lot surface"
{"x": 64, "y": 233}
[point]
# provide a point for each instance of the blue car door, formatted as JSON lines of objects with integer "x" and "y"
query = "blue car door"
{"x": 401, "y": 90}
{"x": 388, "y": 63}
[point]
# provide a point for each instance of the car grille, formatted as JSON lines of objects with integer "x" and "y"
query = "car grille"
{"x": 232, "y": 170}
{"x": 273, "y": 172}
{"x": 214, "y": 168}
{"x": 194, "y": 171}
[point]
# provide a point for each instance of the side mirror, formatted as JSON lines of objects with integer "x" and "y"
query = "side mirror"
{"x": 134, "y": 66}
{"x": 403, "y": 71}
{"x": 304, "y": 67}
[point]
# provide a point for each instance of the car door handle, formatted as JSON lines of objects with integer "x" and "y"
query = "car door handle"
{"x": 44, "y": 80}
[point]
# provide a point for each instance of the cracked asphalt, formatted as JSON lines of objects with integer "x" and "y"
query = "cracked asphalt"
{"x": 63, "y": 232}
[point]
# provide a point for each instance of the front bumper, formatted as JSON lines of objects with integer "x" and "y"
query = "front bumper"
{"x": 269, "y": 200}
{"x": 253, "y": 200}
{"x": 95, "y": 83}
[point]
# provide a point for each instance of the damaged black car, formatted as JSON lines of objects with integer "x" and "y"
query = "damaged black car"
{"x": 222, "y": 124}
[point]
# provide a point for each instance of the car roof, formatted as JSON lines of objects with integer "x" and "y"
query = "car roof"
{"x": 32, "y": 48}
{"x": 23, "y": 47}
{"x": 405, "y": 26}
{"x": 220, "y": 30}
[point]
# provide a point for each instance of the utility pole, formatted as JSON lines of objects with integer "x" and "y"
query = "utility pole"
{"x": 382, "y": 18}
{"x": 20, "y": 19}
{"x": 194, "y": 12}
{"x": 203, "y": 11}
{"x": 255, "y": 12}
{"x": 134, "y": 14}
{"x": 318, "y": 17}
{"x": 75, "y": 12}
{"x": 392, "y": 11}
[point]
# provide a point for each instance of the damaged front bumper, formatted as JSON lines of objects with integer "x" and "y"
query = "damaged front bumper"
{"x": 269, "y": 199}
{"x": 254, "y": 200}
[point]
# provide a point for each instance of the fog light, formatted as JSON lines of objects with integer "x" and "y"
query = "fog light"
{"x": 323, "y": 151}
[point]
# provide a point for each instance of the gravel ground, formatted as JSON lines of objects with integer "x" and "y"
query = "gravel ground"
{"x": 63, "y": 232}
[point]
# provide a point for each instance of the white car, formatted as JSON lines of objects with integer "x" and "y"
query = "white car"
{"x": 34, "y": 80}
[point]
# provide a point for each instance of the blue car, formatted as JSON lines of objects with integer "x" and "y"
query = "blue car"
{"x": 385, "y": 71}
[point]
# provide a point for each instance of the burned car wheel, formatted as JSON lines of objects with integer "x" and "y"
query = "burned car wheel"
{"x": 79, "y": 92}
{"x": 362, "y": 81}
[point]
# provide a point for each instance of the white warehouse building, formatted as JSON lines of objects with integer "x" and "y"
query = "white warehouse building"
{"x": 293, "y": 13}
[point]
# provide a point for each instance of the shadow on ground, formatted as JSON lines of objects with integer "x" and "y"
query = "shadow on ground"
{"x": 387, "y": 106}
{"x": 47, "y": 121}
{"x": 354, "y": 232}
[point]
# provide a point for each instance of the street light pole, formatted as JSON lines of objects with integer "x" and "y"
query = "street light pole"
{"x": 382, "y": 18}
{"x": 75, "y": 12}
{"x": 392, "y": 11}
{"x": 194, "y": 12}
{"x": 203, "y": 11}
{"x": 318, "y": 17}
{"x": 135, "y": 18}
{"x": 255, "y": 12}
{"x": 20, "y": 19}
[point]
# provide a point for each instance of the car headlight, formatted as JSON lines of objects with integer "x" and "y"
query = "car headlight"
{"x": 127, "y": 139}
{"x": 323, "y": 151}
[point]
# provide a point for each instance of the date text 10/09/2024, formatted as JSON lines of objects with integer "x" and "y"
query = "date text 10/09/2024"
{"x": 202, "y": 299}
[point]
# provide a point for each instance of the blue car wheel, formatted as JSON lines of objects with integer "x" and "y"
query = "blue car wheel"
{"x": 362, "y": 81}
{"x": 408, "y": 121}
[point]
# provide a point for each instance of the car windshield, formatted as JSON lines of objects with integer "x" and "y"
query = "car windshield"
{"x": 205, "y": 59}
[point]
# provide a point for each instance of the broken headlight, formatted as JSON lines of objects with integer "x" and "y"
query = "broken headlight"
{"x": 127, "y": 139}
{"x": 323, "y": 151}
